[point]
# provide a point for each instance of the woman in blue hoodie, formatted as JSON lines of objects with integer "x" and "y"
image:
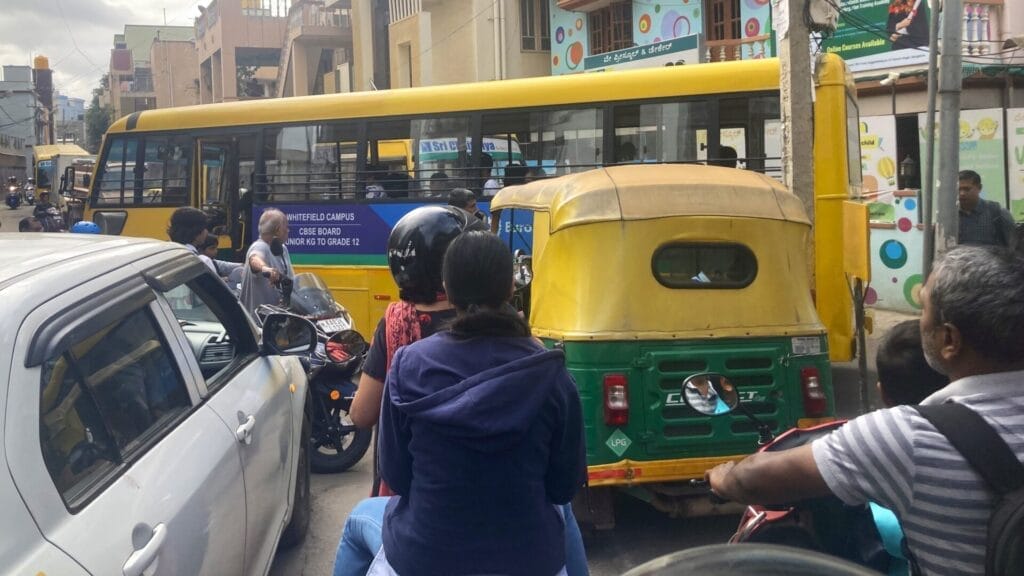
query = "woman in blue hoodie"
{"x": 481, "y": 435}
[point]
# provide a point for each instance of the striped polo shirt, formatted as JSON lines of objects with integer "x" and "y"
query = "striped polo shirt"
{"x": 898, "y": 459}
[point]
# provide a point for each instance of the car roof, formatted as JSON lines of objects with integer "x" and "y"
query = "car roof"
{"x": 65, "y": 260}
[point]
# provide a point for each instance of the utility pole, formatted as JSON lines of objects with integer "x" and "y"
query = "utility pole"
{"x": 928, "y": 181}
{"x": 947, "y": 219}
{"x": 796, "y": 84}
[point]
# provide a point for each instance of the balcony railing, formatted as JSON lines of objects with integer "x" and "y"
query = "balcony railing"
{"x": 402, "y": 9}
{"x": 737, "y": 49}
{"x": 979, "y": 20}
{"x": 314, "y": 14}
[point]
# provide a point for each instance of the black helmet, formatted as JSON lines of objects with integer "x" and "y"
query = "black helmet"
{"x": 416, "y": 250}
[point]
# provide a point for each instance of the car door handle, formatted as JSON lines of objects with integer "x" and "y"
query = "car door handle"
{"x": 143, "y": 557}
{"x": 244, "y": 431}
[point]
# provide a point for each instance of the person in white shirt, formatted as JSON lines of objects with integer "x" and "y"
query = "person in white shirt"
{"x": 491, "y": 185}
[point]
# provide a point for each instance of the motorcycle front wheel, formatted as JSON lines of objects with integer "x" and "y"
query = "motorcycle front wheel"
{"x": 336, "y": 444}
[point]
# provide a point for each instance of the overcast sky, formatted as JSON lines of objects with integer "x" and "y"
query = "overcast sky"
{"x": 81, "y": 55}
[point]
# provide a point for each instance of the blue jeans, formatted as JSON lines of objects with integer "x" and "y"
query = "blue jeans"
{"x": 362, "y": 539}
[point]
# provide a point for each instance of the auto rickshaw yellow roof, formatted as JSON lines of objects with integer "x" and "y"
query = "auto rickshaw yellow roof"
{"x": 647, "y": 191}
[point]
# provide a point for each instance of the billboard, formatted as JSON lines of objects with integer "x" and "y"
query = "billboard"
{"x": 875, "y": 34}
{"x": 1015, "y": 160}
{"x": 982, "y": 149}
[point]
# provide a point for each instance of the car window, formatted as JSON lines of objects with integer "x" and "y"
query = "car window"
{"x": 214, "y": 325}
{"x": 105, "y": 398}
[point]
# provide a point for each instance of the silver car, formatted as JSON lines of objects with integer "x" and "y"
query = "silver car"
{"x": 145, "y": 428}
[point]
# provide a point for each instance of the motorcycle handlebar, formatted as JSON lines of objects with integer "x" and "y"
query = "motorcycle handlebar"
{"x": 712, "y": 495}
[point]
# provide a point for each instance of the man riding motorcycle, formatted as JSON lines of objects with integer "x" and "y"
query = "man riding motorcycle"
{"x": 971, "y": 323}
{"x": 48, "y": 214}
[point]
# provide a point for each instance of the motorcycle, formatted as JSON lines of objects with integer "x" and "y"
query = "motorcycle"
{"x": 335, "y": 443}
{"x": 50, "y": 218}
{"x": 13, "y": 199}
{"x": 30, "y": 194}
{"x": 825, "y": 525}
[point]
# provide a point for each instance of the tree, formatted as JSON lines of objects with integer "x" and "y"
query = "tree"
{"x": 97, "y": 119}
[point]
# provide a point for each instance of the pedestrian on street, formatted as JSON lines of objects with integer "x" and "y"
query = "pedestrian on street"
{"x": 971, "y": 322}
{"x": 983, "y": 221}
{"x": 266, "y": 263}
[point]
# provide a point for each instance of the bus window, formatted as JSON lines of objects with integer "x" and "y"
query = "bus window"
{"x": 744, "y": 123}
{"x": 165, "y": 173}
{"x": 443, "y": 150}
{"x": 116, "y": 186}
{"x": 853, "y": 142}
{"x": 554, "y": 141}
{"x": 305, "y": 163}
{"x": 659, "y": 132}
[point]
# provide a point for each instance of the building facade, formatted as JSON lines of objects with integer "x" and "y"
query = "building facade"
{"x": 19, "y": 109}
{"x": 404, "y": 43}
{"x": 239, "y": 45}
{"x": 69, "y": 120}
{"x": 175, "y": 68}
{"x": 131, "y": 80}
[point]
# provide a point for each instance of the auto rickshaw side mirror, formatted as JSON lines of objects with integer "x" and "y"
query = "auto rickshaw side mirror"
{"x": 710, "y": 394}
{"x": 522, "y": 265}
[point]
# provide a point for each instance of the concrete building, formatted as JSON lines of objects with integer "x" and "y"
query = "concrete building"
{"x": 317, "y": 49}
{"x": 19, "y": 109}
{"x": 175, "y": 65}
{"x": 239, "y": 44}
{"x": 402, "y": 43}
{"x": 132, "y": 87}
{"x": 69, "y": 119}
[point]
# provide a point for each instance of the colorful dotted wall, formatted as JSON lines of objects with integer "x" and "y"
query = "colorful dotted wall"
{"x": 896, "y": 245}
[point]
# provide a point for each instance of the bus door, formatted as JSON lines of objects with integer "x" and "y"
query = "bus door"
{"x": 226, "y": 166}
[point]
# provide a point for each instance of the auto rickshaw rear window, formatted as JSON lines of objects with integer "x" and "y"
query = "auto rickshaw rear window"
{"x": 702, "y": 266}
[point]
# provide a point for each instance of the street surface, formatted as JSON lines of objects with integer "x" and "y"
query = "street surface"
{"x": 641, "y": 533}
{"x": 9, "y": 218}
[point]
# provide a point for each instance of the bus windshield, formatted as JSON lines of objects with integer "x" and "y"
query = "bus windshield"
{"x": 44, "y": 174}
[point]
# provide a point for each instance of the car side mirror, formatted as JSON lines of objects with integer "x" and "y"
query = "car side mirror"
{"x": 710, "y": 394}
{"x": 288, "y": 335}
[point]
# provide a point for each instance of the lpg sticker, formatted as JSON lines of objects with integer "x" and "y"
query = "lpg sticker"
{"x": 618, "y": 442}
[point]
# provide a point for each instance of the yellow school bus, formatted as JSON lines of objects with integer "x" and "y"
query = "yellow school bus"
{"x": 324, "y": 160}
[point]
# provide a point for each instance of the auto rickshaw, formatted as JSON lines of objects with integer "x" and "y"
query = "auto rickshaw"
{"x": 648, "y": 274}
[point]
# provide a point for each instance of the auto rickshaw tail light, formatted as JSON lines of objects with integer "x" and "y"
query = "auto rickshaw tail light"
{"x": 616, "y": 400}
{"x": 815, "y": 401}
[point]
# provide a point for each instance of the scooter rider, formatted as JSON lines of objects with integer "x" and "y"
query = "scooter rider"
{"x": 972, "y": 318}
{"x": 416, "y": 249}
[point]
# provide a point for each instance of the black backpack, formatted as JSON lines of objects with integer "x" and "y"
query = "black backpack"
{"x": 992, "y": 458}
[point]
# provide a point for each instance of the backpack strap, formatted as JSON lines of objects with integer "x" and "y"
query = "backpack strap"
{"x": 978, "y": 443}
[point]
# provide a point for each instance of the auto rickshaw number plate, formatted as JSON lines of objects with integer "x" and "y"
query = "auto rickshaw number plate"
{"x": 805, "y": 345}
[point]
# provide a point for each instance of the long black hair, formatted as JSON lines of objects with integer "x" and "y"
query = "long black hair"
{"x": 478, "y": 281}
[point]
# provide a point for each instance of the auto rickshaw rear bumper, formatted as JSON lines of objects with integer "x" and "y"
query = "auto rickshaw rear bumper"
{"x": 629, "y": 472}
